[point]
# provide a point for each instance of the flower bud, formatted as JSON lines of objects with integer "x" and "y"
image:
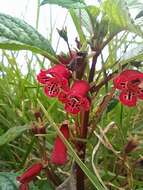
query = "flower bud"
{"x": 30, "y": 174}
{"x": 59, "y": 153}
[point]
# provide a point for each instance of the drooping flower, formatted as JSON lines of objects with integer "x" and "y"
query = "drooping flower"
{"x": 30, "y": 174}
{"x": 130, "y": 83}
{"x": 54, "y": 79}
{"x": 76, "y": 99}
{"x": 59, "y": 152}
{"x": 121, "y": 81}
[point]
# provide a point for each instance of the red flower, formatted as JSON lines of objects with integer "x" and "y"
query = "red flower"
{"x": 54, "y": 79}
{"x": 30, "y": 174}
{"x": 121, "y": 81}
{"x": 24, "y": 187}
{"x": 76, "y": 99}
{"x": 66, "y": 59}
{"x": 59, "y": 153}
{"x": 128, "y": 98}
{"x": 130, "y": 83}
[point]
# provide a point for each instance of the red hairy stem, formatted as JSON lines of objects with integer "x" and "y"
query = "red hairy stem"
{"x": 81, "y": 146}
{"x": 50, "y": 173}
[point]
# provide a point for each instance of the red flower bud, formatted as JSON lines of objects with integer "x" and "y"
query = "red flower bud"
{"x": 76, "y": 99}
{"x": 59, "y": 153}
{"x": 54, "y": 79}
{"x": 24, "y": 186}
{"x": 38, "y": 115}
{"x": 131, "y": 145}
{"x": 39, "y": 129}
{"x": 30, "y": 174}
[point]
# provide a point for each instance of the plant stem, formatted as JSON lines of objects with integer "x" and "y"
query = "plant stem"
{"x": 81, "y": 146}
{"x": 92, "y": 70}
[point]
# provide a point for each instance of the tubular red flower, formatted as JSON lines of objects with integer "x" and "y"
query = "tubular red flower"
{"x": 24, "y": 186}
{"x": 128, "y": 98}
{"x": 30, "y": 174}
{"x": 54, "y": 79}
{"x": 121, "y": 81}
{"x": 76, "y": 100}
{"x": 59, "y": 153}
{"x": 130, "y": 83}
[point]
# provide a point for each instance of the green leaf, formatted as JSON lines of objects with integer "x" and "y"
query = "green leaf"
{"x": 132, "y": 55}
{"x": 140, "y": 14}
{"x": 16, "y": 34}
{"x": 8, "y": 181}
{"x": 119, "y": 17}
{"x": 44, "y": 185}
{"x": 77, "y": 24}
{"x": 112, "y": 105}
{"x": 92, "y": 177}
{"x": 11, "y": 134}
{"x": 86, "y": 18}
{"x": 65, "y": 3}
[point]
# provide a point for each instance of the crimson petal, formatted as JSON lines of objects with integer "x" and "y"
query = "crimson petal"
{"x": 128, "y": 98}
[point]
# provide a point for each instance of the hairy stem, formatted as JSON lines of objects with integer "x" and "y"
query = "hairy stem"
{"x": 92, "y": 70}
{"x": 81, "y": 146}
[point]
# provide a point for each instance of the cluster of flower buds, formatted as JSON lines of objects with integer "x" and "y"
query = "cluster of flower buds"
{"x": 29, "y": 175}
{"x": 56, "y": 84}
{"x": 130, "y": 83}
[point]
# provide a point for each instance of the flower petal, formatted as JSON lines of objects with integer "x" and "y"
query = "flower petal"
{"x": 85, "y": 104}
{"x": 59, "y": 70}
{"x": 121, "y": 81}
{"x": 52, "y": 88}
{"x": 128, "y": 98}
{"x": 43, "y": 77}
{"x": 63, "y": 96}
{"x": 73, "y": 104}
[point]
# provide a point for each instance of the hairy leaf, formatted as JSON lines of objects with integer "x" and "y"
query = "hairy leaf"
{"x": 119, "y": 17}
{"x": 8, "y": 181}
{"x": 65, "y": 3}
{"x": 133, "y": 54}
{"x": 16, "y": 34}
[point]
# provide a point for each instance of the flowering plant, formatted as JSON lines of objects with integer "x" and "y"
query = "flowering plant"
{"x": 78, "y": 111}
